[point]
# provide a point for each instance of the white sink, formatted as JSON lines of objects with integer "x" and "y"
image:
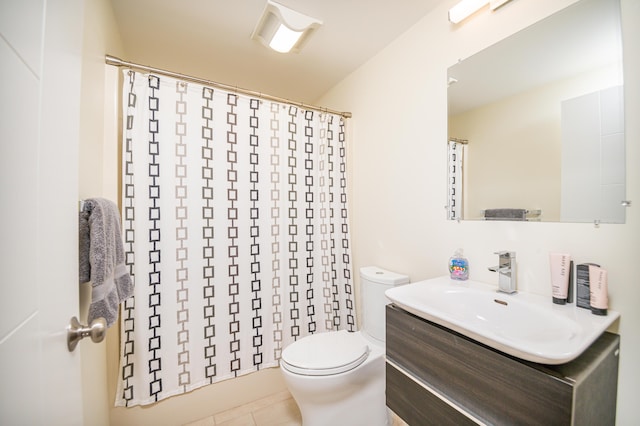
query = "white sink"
{"x": 524, "y": 325}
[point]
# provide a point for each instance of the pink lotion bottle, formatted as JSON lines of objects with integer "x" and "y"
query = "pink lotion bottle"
{"x": 598, "y": 290}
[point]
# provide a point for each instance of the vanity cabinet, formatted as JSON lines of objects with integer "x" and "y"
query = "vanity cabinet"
{"x": 436, "y": 376}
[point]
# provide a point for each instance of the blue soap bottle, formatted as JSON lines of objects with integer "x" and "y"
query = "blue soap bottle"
{"x": 458, "y": 266}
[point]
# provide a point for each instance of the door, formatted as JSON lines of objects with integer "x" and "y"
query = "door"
{"x": 40, "y": 67}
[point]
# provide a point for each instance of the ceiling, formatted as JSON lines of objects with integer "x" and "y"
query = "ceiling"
{"x": 211, "y": 39}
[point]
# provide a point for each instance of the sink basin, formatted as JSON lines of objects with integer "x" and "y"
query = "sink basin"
{"x": 527, "y": 326}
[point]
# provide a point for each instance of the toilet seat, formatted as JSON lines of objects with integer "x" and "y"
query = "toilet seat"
{"x": 325, "y": 354}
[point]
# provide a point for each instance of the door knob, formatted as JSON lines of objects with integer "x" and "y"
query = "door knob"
{"x": 76, "y": 332}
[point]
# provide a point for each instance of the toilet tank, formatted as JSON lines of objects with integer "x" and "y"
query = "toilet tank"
{"x": 374, "y": 282}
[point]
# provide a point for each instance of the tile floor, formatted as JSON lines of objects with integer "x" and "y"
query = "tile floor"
{"x": 278, "y": 409}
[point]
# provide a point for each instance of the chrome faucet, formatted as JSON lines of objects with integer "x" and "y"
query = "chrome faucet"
{"x": 507, "y": 271}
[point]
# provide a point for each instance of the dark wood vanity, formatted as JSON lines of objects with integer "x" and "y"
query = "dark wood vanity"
{"x": 436, "y": 376}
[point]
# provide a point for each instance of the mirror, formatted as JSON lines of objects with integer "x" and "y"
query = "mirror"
{"x": 536, "y": 122}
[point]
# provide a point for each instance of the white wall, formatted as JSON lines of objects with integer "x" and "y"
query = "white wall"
{"x": 398, "y": 137}
{"x": 97, "y": 171}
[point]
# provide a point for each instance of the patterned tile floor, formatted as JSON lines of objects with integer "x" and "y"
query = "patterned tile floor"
{"x": 278, "y": 409}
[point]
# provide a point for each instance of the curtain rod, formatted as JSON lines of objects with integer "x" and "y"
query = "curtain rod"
{"x": 112, "y": 60}
{"x": 460, "y": 141}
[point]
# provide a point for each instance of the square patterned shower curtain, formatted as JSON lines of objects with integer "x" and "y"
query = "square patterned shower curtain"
{"x": 236, "y": 234}
{"x": 455, "y": 151}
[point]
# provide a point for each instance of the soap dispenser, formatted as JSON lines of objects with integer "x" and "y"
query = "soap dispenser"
{"x": 458, "y": 266}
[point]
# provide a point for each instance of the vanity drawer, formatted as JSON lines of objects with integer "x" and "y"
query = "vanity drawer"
{"x": 409, "y": 399}
{"x": 493, "y": 387}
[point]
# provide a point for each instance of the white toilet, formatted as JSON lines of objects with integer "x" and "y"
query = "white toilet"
{"x": 338, "y": 377}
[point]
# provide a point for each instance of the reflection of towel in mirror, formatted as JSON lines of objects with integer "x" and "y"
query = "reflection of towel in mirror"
{"x": 102, "y": 259}
{"x": 505, "y": 214}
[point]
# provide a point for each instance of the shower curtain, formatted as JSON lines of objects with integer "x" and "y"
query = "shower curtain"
{"x": 236, "y": 234}
{"x": 455, "y": 151}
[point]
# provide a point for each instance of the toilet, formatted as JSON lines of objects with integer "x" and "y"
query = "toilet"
{"x": 338, "y": 377}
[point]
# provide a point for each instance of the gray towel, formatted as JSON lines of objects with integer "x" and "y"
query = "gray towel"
{"x": 505, "y": 214}
{"x": 102, "y": 259}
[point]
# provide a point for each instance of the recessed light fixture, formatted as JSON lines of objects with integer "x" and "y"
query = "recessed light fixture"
{"x": 465, "y": 8}
{"x": 494, "y": 4}
{"x": 282, "y": 29}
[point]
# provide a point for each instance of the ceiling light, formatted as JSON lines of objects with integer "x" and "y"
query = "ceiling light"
{"x": 465, "y": 8}
{"x": 283, "y": 29}
{"x": 494, "y": 4}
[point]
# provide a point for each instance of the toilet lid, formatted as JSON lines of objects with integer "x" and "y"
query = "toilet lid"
{"x": 324, "y": 354}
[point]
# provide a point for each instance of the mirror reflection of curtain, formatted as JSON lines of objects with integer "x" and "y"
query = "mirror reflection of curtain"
{"x": 454, "y": 180}
{"x": 236, "y": 233}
